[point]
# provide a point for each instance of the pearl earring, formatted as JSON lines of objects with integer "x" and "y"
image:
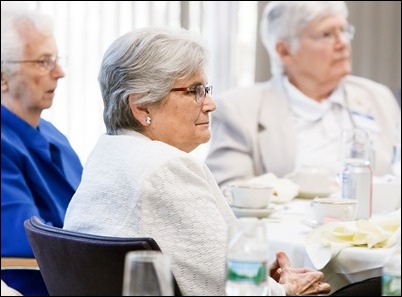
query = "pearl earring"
{"x": 148, "y": 120}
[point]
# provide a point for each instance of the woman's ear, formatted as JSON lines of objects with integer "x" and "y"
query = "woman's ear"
{"x": 141, "y": 113}
{"x": 4, "y": 85}
{"x": 284, "y": 53}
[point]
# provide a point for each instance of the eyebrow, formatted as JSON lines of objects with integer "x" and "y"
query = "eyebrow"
{"x": 200, "y": 84}
{"x": 195, "y": 84}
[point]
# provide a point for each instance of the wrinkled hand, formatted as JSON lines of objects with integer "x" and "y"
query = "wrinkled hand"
{"x": 297, "y": 281}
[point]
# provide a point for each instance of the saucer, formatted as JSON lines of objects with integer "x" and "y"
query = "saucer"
{"x": 311, "y": 195}
{"x": 252, "y": 212}
{"x": 310, "y": 223}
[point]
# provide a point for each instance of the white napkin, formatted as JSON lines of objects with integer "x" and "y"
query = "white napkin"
{"x": 284, "y": 189}
{"x": 325, "y": 242}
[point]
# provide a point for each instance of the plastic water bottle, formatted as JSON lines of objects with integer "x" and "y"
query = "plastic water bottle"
{"x": 391, "y": 273}
{"x": 247, "y": 259}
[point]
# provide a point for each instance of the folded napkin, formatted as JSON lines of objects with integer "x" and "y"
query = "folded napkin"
{"x": 325, "y": 242}
{"x": 284, "y": 190}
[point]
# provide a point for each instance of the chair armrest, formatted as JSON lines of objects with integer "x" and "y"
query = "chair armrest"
{"x": 18, "y": 263}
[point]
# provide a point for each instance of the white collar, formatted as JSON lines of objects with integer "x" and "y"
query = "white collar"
{"x": 307, "y": 107}
{"x": 132, "y": 133}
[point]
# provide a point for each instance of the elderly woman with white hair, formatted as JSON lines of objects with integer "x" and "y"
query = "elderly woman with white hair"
{"x": 296, "y": 118}
{"x": 39, "y": 169}
{"x": 140, "y": 180}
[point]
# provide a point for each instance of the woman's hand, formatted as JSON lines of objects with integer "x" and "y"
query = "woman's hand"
{"x": 297, "y": 281}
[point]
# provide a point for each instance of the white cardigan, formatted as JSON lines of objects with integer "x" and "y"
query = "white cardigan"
{"x": 132, "y": 186}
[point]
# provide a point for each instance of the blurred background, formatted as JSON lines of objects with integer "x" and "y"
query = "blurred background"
{"x": 84, "y": 30}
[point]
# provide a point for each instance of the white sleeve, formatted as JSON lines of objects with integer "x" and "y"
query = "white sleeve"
{"x": 8, "y": 291}
{"x": 275, "y": 289}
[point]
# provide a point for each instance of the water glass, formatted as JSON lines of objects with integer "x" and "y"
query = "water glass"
{"x": 147, "y": 273}
{"x": 355, "y": 144}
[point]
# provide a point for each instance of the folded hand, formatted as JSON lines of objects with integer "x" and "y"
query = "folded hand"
{"x": 297, "y": 281}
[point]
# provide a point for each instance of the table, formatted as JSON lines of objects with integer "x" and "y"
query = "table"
{"x": 287, "y": 233}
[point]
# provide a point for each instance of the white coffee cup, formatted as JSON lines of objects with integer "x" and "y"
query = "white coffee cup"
{"x": 251, "y": 195}
{"x": 334, "y": 209}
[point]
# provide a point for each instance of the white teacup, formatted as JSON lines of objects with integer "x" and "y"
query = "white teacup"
{"x": 251, "y": 195}
{"x": 334, "y": 209}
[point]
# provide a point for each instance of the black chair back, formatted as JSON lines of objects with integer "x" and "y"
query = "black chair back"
{"x": 78, "y": 264}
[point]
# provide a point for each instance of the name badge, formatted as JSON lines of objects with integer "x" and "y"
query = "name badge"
{"x": 365, "y": 121}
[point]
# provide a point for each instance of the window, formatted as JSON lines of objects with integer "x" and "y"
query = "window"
{"x": 84, "y": 30}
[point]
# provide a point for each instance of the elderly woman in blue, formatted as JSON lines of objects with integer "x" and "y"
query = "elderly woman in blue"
{"x": 39, "y": 169}
{"x": 140, "y": 180}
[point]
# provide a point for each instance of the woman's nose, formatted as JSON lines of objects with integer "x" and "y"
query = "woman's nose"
{"x": 209, "y": 104}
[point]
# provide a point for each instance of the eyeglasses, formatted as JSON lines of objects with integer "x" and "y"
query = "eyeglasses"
{"x": 329, "y": 37}
{"x": 46, "y": 64}
{"x": 199, "y": 90}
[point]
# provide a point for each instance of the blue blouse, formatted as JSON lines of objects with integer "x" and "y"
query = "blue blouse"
{"x": 39, "y": 174}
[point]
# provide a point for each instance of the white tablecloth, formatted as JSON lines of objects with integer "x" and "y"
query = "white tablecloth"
{"x": 286, "y": 232}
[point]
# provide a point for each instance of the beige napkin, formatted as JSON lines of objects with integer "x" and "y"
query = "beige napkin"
{"x": 284, "y": 189}
{"x": 325, "y": 242}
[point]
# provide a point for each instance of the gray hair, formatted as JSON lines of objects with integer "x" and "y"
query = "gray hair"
{"x": 145, "y": 63}
{"x": 283, "y": 21}
{"x": 14, "y": 18}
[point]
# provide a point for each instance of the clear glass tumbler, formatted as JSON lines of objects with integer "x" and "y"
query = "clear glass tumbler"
{"x": 147, "y": 273}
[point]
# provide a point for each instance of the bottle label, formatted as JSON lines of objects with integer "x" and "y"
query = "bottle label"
{"x": 391, "y": 285}
{"x": 247, "y": 271}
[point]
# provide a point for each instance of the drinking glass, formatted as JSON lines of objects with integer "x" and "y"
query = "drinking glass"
{"x": 355, "y": 144}
{"x": 147, "y": 273}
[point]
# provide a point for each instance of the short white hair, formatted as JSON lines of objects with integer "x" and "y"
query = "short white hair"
{"x": 14, "y": 16}
{"x": 283, "y": 20}
{"x": 146, "y": 62}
